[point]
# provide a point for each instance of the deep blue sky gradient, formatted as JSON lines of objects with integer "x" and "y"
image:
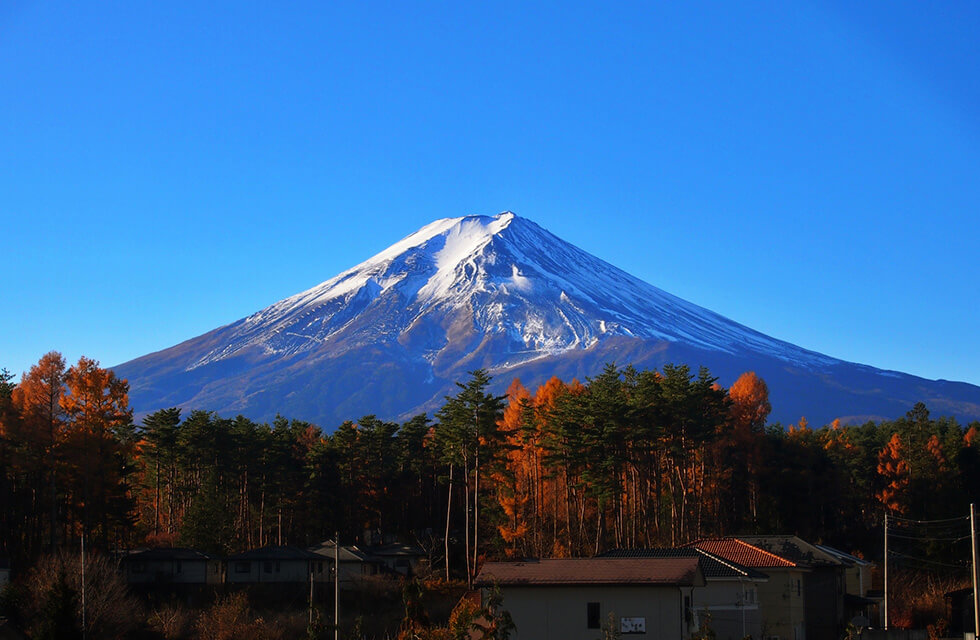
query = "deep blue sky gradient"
{"x": 809, "y": 169}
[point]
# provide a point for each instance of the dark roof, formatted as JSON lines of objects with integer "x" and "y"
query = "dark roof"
{"x": 395, "y": 549}
{"x": 594, "y": 571}
{"x": 712, "y": 566}
{"x": 167, "y": 554}
{"x": 277, "y": 553}
{"x": 741, "y": 552}
{"x": 799, "y": 551}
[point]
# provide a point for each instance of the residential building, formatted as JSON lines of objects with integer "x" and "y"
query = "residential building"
{"x": 574, "y": 598}
{"x": 781, "y": 598}
{"x": 823, "y": 583}
{"x": 355, "y": 565}
{"x": 171, "y": 566}
{"x": 728, "y": 603}
{"x": 277, "y": 564}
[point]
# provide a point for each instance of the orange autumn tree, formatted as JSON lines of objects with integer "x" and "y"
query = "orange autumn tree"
{"x": 513, "y": 479}
{"x": 894, "y": 470}
{"x": 39, "y": 432}
{"x": 98, "y": 441}
{"x": 749, "y": 408}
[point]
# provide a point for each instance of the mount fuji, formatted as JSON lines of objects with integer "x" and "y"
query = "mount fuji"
{"x": 393, "y": 334}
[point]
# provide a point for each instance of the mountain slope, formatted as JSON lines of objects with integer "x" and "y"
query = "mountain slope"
{"x": 391, "y": 335}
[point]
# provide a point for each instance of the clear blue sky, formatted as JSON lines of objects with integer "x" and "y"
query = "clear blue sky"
{"x": 809, "y": 169}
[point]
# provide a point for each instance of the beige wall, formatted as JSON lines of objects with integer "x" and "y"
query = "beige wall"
{"x": 733, "y": 606}
{"x": 781, "y": 602}
{"x": 560, "y": 613}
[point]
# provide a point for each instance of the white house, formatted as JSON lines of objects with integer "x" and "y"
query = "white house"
{"x": 273, "y": 564}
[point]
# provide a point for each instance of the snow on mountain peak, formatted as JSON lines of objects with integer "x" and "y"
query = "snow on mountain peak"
{"x": 499, "y": 276}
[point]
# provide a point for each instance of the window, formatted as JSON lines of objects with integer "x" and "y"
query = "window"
{"x": 594, "y": 616}
{"x": 267, "y": 566}
{"x": 799, "y": 588}
{"x": 277, "y": 566}
{"x": 242, "y": 567}
{"x": 180, "y": 568}
{"x": 138, "y": 567}
{"x": 319, "y": 567}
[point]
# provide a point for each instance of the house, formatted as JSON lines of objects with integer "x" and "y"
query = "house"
{"x": 279, "y": 564}
{"x": 959, "y": 612}
{"x": 398, "y": 557}
{"x": 781, "y": 601}
{"x": 171, "y": 566}
{"x": 728, "y": 604}
{"x": 574, "y": 598}
{"x": 823, "y": 583}
{"x": 862, "y": 607}
{"x": 355, "y": 565}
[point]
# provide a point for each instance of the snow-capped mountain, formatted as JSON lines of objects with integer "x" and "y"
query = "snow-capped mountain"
{"x": 391, "y": 335}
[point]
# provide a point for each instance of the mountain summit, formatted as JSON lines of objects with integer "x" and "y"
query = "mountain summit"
{"x": 391, "y": 335}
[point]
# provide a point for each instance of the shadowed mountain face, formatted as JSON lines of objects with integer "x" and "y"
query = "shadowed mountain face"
{"x": 393, "y": 334}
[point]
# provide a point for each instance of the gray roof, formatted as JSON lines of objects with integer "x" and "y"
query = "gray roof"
{"x": 712, "y": 566}
{"x": 325, "y": 551}
{"x": 166, "y": 553}
{"x": 846, "y": 558}
{"x": 276, "y": 553}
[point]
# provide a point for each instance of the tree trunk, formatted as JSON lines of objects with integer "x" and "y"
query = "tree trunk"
{"x": 449, "y": 505}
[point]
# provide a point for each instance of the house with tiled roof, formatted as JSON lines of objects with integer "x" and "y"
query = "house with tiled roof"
{"x": 574, "y": 598}
{"x": 823, "y": 584}
{"x": 781, "y": 599}
{"x": 728, "y": 603}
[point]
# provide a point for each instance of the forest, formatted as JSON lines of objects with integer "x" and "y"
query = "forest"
{"x": 628, "y": 458}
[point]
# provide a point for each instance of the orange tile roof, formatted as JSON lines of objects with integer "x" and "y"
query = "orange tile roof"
{"x": 741, "y": 552}
{"x": 572, "y": 571}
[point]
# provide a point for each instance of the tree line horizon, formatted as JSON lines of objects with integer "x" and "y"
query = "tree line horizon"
{"x": 628, "y": 458}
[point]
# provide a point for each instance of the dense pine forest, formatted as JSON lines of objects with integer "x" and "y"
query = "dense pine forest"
{"x": 625, "y": 459}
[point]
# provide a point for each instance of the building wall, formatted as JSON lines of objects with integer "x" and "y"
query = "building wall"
{"x": 167, "y": 571}
{"x": 350, "y": 572}
{"x": 267, "y": 571}
{"x": 733, "y": 607}
{"x": 824, "y": 597}
{"x": 781, "y": 601}
{"x": 561, "y": 613}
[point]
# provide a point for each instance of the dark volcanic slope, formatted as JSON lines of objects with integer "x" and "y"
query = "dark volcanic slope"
{"x": 393, "y": 334}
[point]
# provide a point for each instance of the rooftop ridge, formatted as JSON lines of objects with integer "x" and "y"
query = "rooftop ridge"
{"x": 781, "y": 561}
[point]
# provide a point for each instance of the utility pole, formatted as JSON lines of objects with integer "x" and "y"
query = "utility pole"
{"x": 336, "y": 586}
{"x": 310, "y": 623}
{"x": 83, "y": 584}
{"x": 973, "y": 549}
{"x": 886, "y": 571}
